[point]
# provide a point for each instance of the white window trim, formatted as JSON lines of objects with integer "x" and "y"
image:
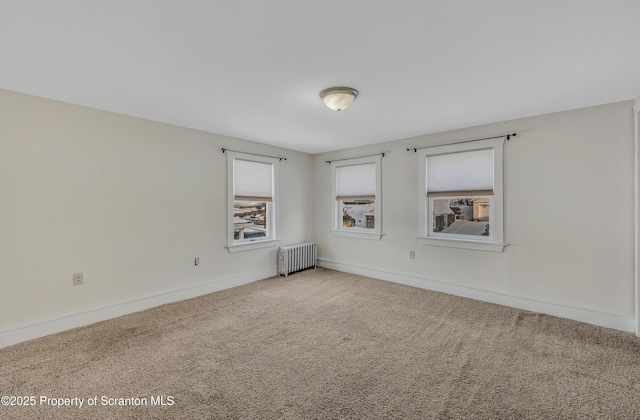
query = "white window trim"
{"x": 338, "y": 230}
{"x": 269, "y": 241}
{"x": 636, "y": 118}
{"x": 425, "y": 237}
{"x": 247, "y": 246}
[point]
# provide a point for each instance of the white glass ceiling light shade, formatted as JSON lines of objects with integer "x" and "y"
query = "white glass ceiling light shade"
{"x": 338, "y": 98}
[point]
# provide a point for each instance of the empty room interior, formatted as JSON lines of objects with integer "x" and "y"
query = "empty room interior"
{"x": 285, "y": 209}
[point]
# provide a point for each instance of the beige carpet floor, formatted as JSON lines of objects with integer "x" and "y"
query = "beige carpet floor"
{"x": 327, "y": 345}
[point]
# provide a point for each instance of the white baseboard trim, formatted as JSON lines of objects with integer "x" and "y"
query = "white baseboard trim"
{"x": 80, "y": 319}
{"x": 617, "y": 322}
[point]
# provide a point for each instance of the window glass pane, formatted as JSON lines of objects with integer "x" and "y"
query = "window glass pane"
{"x": 358, "y": 214}
{"x": 249, "y": 219}
{"x": 461, "y": 216}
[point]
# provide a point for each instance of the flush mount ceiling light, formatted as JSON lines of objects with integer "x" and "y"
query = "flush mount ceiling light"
{"x": 338, "y": 98}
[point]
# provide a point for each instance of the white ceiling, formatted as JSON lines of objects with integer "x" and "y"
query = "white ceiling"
{"x": 254, "y": 69}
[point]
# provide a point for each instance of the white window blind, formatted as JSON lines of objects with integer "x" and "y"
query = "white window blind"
{"x": 356, "y": 182}
{"x": 461, "y": 173}
{"x": 252, "y": 181}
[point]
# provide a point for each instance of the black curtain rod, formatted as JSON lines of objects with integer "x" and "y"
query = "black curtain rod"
{"x": 253, "y": 154}
{"x": 355, "y": 157}
{"x": 508, "y": 136}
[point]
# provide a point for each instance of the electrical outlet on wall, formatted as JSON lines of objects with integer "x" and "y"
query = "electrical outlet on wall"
{"x": 78, "y": 279}
{"x": 412, "y": 255}
{"x": 197, "y": 261}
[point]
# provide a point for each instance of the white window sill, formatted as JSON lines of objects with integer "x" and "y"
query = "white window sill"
{"x": 246, "y": 246}
{"x": 465, "y": 244}
{"x": 359, "y": 235}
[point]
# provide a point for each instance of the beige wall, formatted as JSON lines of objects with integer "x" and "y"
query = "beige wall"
{"x": 128, "y": 202}
{"x": 569, "y": 206}
{"x": 131, "y": 202}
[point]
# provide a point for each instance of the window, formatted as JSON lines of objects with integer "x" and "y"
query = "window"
{"x": 461, "y": 195}
{"x": 252, "y": 201}
{"x": 356, "y": 191}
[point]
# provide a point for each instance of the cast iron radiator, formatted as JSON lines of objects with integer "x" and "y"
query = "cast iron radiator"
{"x": 296, "y": 257}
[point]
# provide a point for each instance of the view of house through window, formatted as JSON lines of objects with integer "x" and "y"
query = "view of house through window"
{"x": 249, "y": 219}
{"x": 461, "y": 216}
{"x": 358, "y": 214}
